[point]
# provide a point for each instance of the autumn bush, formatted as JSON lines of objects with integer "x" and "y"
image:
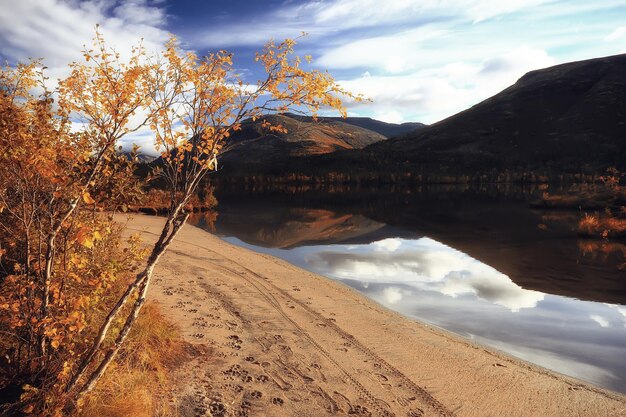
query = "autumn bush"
{"x": 70, "y": 289}
{"x": 40, "y": 351}
{"x": 610, "y": 222}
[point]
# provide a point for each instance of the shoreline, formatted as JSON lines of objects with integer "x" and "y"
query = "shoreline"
{"x": 283, "y": 341}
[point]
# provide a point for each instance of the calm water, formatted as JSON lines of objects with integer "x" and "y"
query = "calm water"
{"x": 477, "y": 264}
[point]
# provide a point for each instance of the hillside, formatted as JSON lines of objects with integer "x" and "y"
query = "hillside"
{"x": 568, "y": 117}
{"x": 386, "y": 129}
{"x": 255, "y": 145}
{"x": 558, "y": 121}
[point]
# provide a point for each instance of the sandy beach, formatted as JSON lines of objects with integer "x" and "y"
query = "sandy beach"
{"x": 285, "y": 342}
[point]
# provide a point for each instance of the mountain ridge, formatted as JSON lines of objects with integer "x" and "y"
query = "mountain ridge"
{"x": 562, "y": 114}
{"x": 303, "y": 137}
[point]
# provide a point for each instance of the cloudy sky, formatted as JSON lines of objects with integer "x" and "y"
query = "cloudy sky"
{"x": 419, "y": 60}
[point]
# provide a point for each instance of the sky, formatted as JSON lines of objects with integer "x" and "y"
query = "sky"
{"x": 418, "y": 60}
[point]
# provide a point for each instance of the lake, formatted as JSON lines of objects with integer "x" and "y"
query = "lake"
{"x": 477, "y": 262}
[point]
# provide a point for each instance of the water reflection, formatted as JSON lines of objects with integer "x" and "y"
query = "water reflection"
{"x": 425, "y": 265}
{"x": 476, "y": 265}
{"x": 432, "y": 282}
{"x": 557, "y": 333}
{"x": 498, "y": 228}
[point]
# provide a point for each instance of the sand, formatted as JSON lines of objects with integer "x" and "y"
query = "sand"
{"x": 281, "y": 341}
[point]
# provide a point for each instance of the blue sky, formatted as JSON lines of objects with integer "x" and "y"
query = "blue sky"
{"x": 418, "y": 60}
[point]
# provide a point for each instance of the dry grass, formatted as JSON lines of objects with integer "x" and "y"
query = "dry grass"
{"x": 583, "y": 196}
{"x": 138, "y": 384}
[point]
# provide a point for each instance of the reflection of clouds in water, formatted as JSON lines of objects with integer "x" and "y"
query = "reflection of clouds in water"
{"x": 554, "y": 361}
{"x": 620, "y": 309}
{"x": 490, "y": 285}
{"x": 600, "y": 320}
{"x": 392, "y": 295}
{"x": 434, "y": 283}
{"x": 389, "y": 245}
{"x": 426, "y": 265}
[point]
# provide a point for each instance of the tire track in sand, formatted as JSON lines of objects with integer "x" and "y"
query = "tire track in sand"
{"x": 394, "y": 380}
{"x": 429, "y": 406}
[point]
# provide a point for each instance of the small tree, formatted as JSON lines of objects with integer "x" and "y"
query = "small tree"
{"x": 194, "y": 104}
{"x": 49, "y": 173}
{"x": 50, "y": 280}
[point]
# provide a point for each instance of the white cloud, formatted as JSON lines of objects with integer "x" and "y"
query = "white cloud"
{"x": 617, "y": 34}
{"x": 333, "y": 16}
{"x": 430, "y": 94}
{"x": 621, "y": 310}
{"x": 359, "y": 13}
{"x": 140, "y": 12}
{"x": 391, "y": 116}
{"x": 56, "y": 31}
{"x": 428, "y": 59}
{"x": 395, "y": 53}
{"x": 420, "y": 60}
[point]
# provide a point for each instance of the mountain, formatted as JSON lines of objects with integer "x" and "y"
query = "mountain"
{"x": 386, "y": 129}
{"x": 254, "y": 144}
{"x": 552, "y": 123}
{"x": 569, "y": 117}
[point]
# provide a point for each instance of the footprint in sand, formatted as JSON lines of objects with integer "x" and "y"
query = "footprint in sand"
{"x": 235, "y": 342}
{"x": 261, "y": 378}
{"x": 217, "y": 409}
{"x": 256, "y": 394}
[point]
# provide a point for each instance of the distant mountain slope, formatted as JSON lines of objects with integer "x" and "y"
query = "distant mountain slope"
{"x": 564, "y": 117}
{"x": 253, "y": 144}
{"x": 386, "y": 129}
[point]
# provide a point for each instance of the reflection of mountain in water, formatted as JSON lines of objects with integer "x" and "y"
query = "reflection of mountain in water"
{"x": 490, "y": 279}
{"x": 280, "y": 227}
{"x": 499, "y": 230}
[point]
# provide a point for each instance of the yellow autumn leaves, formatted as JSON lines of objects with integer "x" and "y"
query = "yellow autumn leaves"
{"x": 64, "y": 268}
{"x": 86, "y": 236}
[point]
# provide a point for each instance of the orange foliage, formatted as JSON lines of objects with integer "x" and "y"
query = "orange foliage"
{"x": 607, "y": 225}
{"x": 68, "y": 294}
{"x": 611, "y": 223}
